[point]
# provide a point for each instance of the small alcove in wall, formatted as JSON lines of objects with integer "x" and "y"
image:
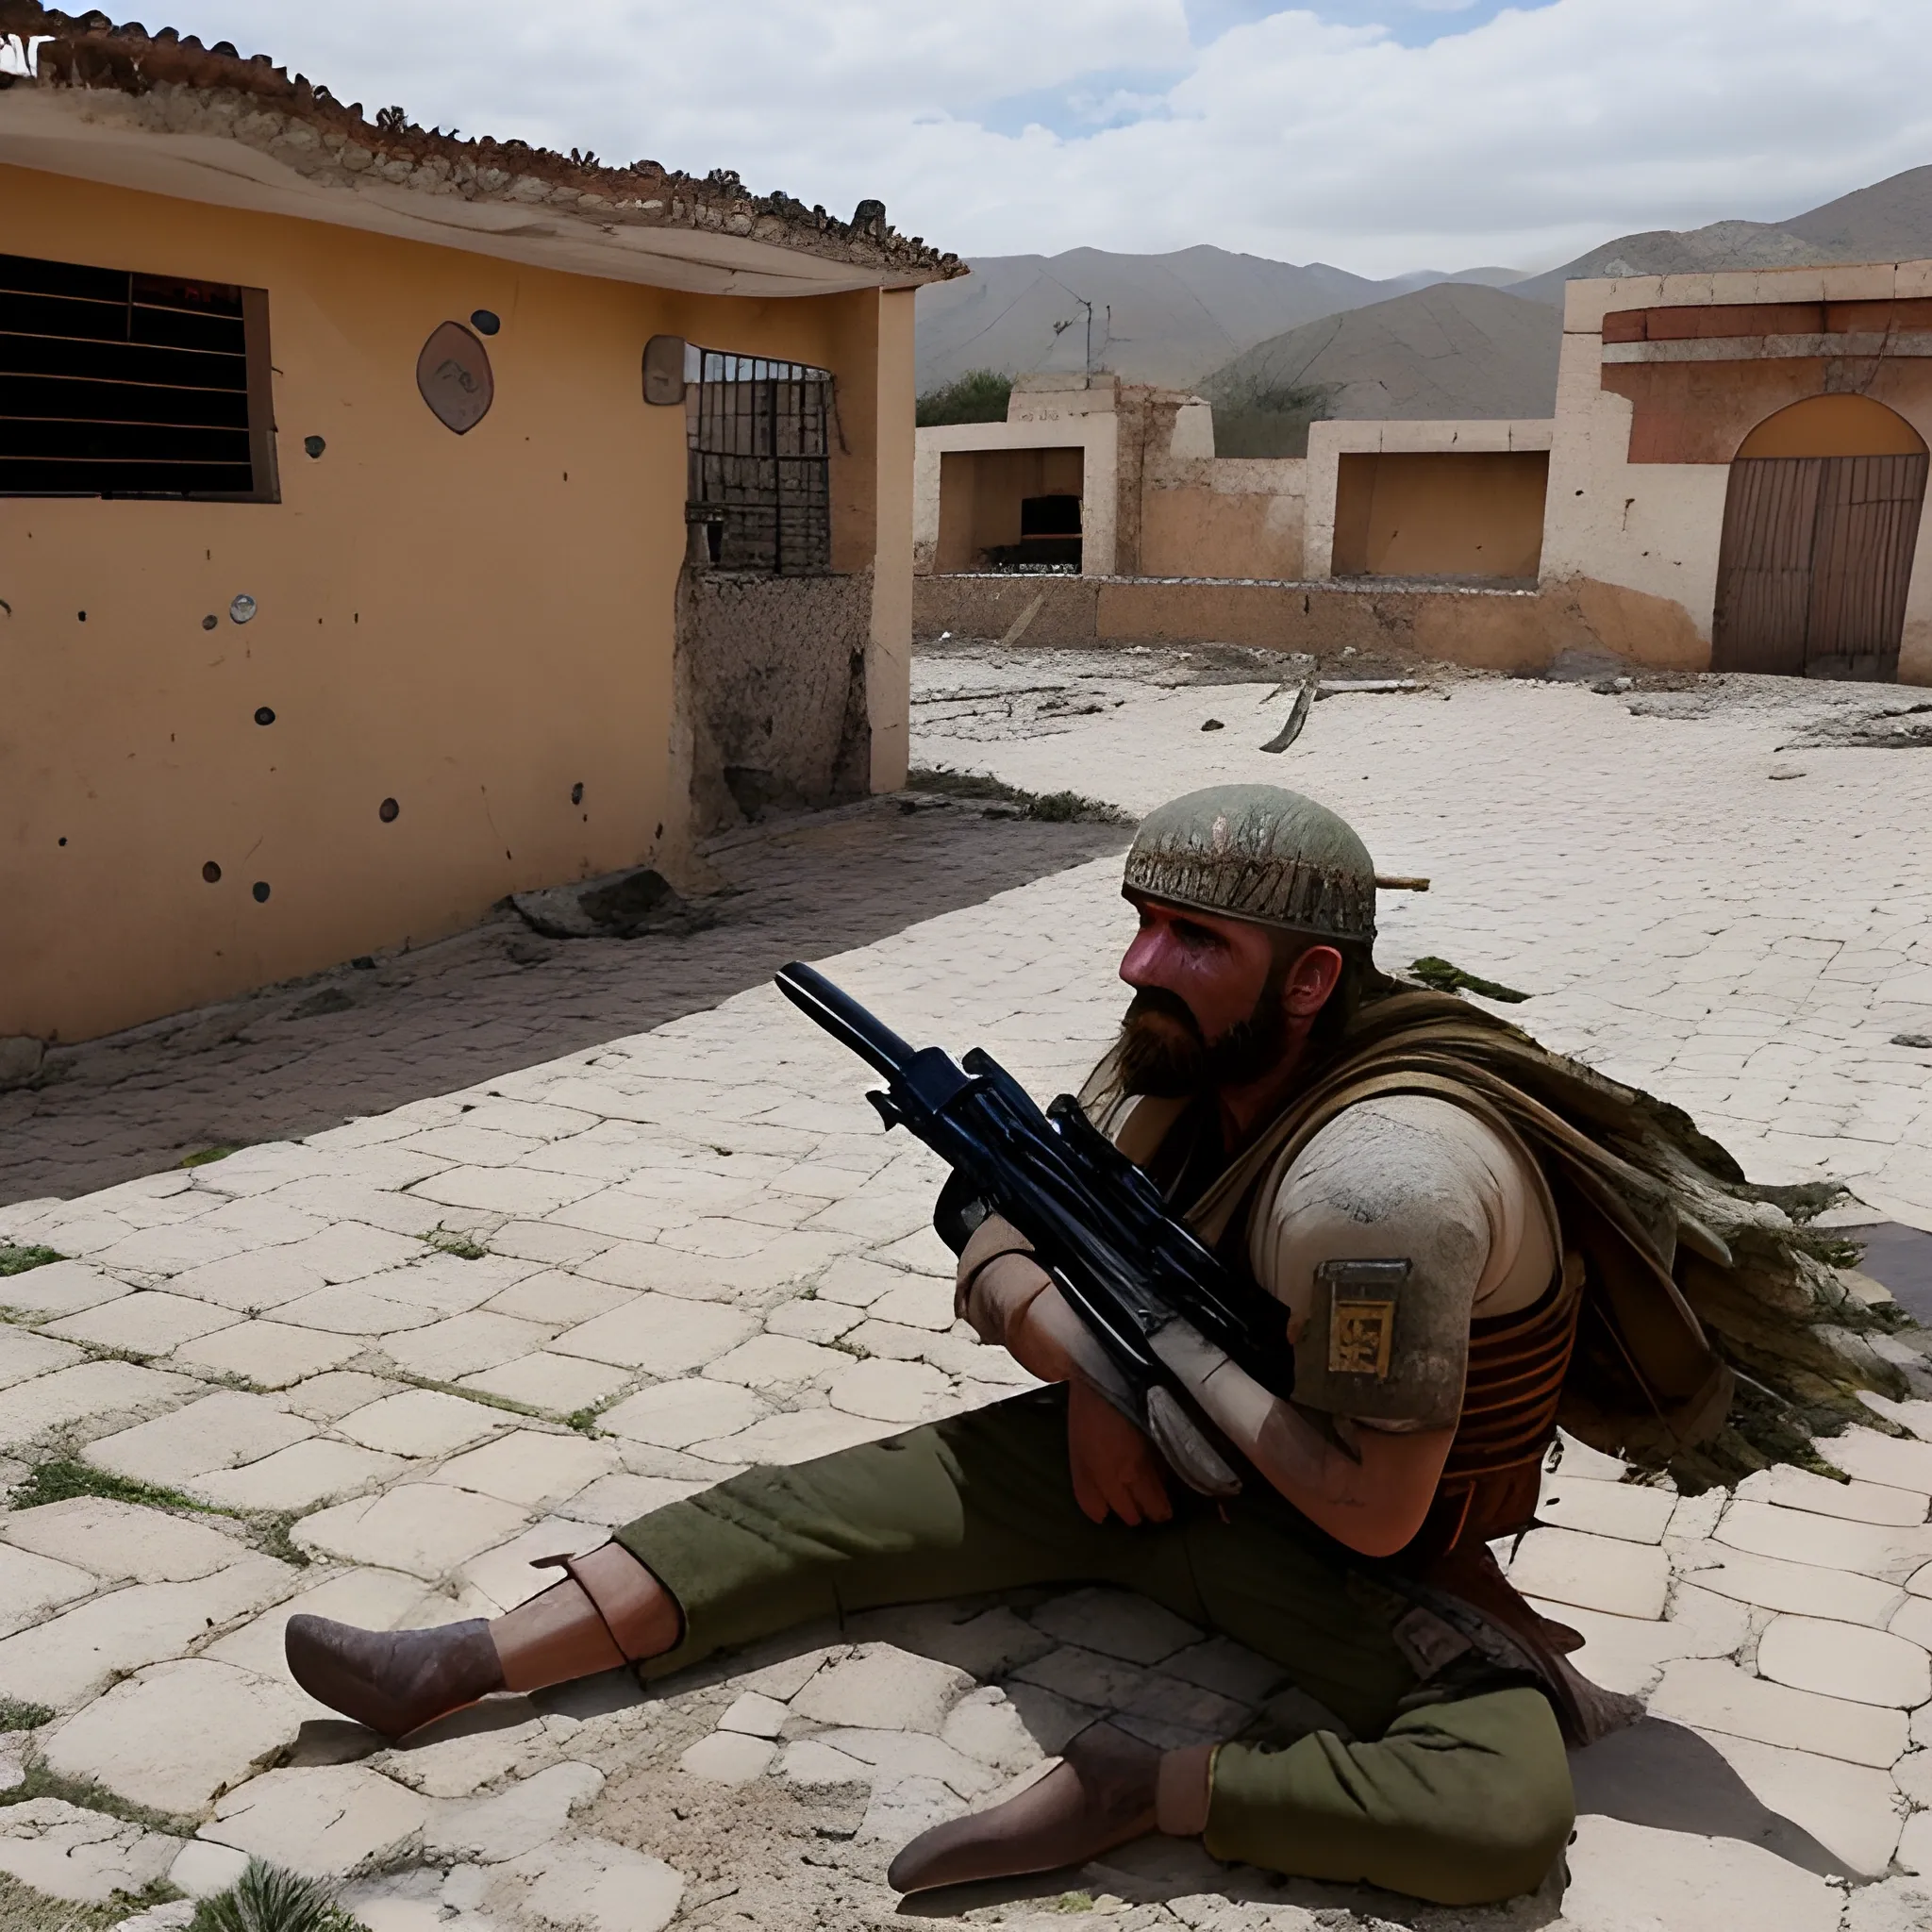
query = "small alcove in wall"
{"x": 1820, "y": 528}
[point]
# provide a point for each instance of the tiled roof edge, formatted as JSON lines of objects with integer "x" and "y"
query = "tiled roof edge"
{"x": 303, "y": 125}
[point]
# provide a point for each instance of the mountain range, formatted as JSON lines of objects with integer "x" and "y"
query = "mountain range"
{"x": 1428, "y": 345}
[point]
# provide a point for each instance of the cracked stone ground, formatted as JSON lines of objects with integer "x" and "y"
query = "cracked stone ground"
{"x": 699, "y": 1250}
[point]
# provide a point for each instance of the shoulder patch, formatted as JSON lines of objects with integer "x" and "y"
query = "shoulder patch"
{"x": 1362, "y": 1298}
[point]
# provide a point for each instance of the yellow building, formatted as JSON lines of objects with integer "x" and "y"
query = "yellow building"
{"x": 390, "y": 522}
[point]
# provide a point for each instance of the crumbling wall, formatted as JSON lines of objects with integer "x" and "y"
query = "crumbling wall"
{"x": 770, "y": 708}
{"x": 1491, "y": 630}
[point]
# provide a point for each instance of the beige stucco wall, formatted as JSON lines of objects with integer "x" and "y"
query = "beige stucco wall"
{"x": 1207, "y": 516}
{"x": 471, "y": 626}
{"x": 1454, "y": 513}
{"x": 1491, "y": 629}
{"x": 1328, "y": 443}
{"x": 981, "y": 492}
{"x": 1037, "y": 423}
{"x": 1656, "y": 528}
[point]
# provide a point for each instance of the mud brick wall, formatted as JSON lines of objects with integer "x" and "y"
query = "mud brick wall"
{"x": 771, "y": 707}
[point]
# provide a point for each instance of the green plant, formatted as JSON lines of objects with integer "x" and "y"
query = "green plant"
{"x": 63, "y": 1477}
{"x": 37, "y": 1781}
{"x": 1257, "y": 416}
{"x": 978, "y": 397}
{"x": 15, "y": 1260}
{"x": 267, "y": 1898}
{"x": 270, "y": 1535}
{"x": 450, "y": 1240}
{"x": 16, "y": 1716}
{"x": 1055, "y": 808}
{"x": 23, "y": 1909}
{"x": 203, "y": 1156}
{"x": 1444, "y": 977}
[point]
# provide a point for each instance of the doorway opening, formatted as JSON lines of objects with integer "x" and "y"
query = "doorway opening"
{"x": 1821, "y": 528}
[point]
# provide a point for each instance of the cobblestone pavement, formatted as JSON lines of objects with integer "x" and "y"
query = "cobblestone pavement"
{"x": 292, "y": 1060}
{"x": 698, "y": 1251}
{"x": 1699, "y": 901}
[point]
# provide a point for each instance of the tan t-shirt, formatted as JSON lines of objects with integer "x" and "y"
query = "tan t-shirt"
{"x": 1398, "y": 1224}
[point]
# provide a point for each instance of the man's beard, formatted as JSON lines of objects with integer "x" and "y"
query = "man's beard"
{"x": 1163, "y": 1052}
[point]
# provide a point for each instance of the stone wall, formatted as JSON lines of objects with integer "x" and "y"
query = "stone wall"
{"x": 1492, "y": 630}
{"x": 771, "y": 705}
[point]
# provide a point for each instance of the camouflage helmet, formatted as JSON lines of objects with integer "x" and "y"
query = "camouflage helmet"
{"x": 1259, "y": 853}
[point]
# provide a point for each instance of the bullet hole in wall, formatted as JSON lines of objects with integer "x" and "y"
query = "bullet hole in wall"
{"x": 660, "y": 831}
{"x": 486, "y": 321}
{"x": 387, "y": 811}
{"x": 211, "y": 873}
{"x": 576, "y": 792}
{"x": 314, "y": 445}
{"x": 263, "y": 715}
{"x": 260, "y": 890}
{"x": 63, "y": 842}
{"x": 210, "y": 621}
{"x": 83, "y": 616}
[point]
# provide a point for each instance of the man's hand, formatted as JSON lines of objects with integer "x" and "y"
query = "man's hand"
{"x": 1115, "y": 1466}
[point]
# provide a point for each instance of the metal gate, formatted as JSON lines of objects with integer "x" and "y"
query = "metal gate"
{"x": 761, "y": 461}
{"x": 1816, "y": 564}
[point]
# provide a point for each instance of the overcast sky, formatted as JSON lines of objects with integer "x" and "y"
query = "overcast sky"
{"x": 1379, "y": 135}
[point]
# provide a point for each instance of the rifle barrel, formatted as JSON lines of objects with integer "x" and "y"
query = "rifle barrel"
{"x": 845, "y": 1019}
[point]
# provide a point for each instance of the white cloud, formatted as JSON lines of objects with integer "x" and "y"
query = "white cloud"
{"x": 1523, "y": 137}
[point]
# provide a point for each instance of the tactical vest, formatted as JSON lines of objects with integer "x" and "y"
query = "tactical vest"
{"x": 1614, "y": 1350}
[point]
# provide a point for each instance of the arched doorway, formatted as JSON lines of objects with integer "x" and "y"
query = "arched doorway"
{"x": 1821, "y": 523}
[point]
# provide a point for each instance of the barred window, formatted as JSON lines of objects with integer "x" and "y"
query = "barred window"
{"x": 116, "y": 384}
{"x": 758, "y": 434}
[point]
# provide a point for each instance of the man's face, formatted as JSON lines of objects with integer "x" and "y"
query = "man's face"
{"x": 1207, "y": 1008}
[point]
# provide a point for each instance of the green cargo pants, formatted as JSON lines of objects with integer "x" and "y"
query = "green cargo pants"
{"x": 1461, "y": 1800}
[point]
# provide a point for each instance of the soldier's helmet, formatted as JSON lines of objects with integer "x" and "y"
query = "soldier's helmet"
{"x": 1259, "y": 853}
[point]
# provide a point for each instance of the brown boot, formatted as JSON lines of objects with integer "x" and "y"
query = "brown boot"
{"x": 1100, "y": 1795}
{"x": 395, "y": 1681}
{"x": 610, "y": 1610}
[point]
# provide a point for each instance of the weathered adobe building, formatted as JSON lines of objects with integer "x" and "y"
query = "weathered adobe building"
{"x": 1734, "y": 479}
{"x": 391, "y": 521}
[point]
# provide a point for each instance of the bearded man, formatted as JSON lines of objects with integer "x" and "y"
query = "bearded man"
{"x": 1434, "y": 1202}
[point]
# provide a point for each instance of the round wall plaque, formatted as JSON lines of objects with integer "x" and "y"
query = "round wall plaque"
{"x": 453, "y": 372}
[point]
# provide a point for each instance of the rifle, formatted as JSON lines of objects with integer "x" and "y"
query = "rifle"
{"x": 1124, "y": 1263}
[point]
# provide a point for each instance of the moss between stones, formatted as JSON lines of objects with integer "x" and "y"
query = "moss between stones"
{"x": 1445, "y": 977}
{"x": 1054, "y": 808}
{"x": 15, "y": 1260}
{"x": 24, "y": 1909}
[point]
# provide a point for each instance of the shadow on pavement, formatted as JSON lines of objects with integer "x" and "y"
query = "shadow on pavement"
{"x": 297, "y": 1057}
{"x": 1662, "y": 1775}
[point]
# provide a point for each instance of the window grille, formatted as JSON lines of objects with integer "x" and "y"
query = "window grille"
{"x": 115, "y": 383}
{"x": 761, "y": 471}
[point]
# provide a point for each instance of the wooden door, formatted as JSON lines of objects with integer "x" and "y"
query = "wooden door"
{"x": 1764, "y": 565}
{"x": 1816, "y": 563}
{"x": 1861, "y": 564}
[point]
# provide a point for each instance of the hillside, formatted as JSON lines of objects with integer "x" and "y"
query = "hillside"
{"x": 1421, "y": 344}
{"x": 1453, "y": 350}
{"x": 1175, "y": 316}
{"x": 1890, "y": 221}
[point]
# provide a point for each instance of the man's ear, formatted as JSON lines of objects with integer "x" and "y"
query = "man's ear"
{"x": 1312, "y": 978}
